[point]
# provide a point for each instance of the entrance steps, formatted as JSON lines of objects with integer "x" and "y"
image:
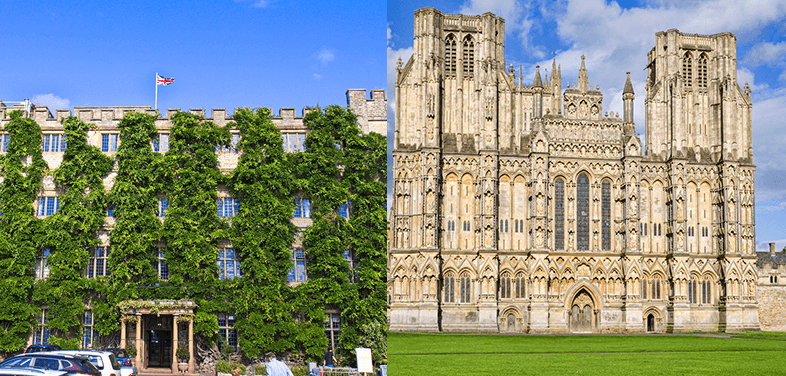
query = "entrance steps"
{"x": 161, "y": 372}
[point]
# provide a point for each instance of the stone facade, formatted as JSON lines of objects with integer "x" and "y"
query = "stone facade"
{"x": 772, "y": 290}
{"x": 528, "y": 208}
{"x": 372, "y": 113}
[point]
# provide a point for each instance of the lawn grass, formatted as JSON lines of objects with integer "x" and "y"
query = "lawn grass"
{"x": 483, "y": 354}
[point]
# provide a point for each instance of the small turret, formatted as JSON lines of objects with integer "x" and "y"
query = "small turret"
{"x": 583, "y": 80}
{"x": 537, "y": 100}
{"x": 627, "y": 100}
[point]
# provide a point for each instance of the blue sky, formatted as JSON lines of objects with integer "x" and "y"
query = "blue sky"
{"x": 615, "y": 37}
{"x": 222, "y": 54}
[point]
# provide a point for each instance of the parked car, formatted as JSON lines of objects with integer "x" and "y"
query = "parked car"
{"x": 39, "y": 348}
{"x": 29, "y": 371}
{"x": 121, "y": 355}
{"x": 73, "y": 365}
{"x": 105, "y": 361}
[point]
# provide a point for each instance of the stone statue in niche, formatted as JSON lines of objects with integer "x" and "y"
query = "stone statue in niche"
{"x": 539, "y": 238}
{"x": 540, "y": 206}
{"x": 489, "y": 237}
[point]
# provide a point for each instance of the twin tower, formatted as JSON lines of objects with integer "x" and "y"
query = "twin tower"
{"x": 523, "y": 207}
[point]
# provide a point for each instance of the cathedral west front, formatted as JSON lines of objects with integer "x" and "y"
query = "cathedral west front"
{"x": 529, "y": 208}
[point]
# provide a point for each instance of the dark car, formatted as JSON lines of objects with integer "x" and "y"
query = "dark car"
{"x": 121, "y": 355}
{"x": 40, "y": 348}
{"x": 73, "y": 365}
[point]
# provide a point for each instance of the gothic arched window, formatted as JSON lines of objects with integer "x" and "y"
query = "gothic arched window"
{"x": 504, "y": 286}
{"x": 687, "y": 69}
{"x": 582, "y": 212}
{"x": 450, "y": 287}
{"x": 701, "y": 71}
{"x": 519, "y": 282}
{"x": 605, "y": 226}
{"x": 465, "y": 288}
{"x": 450, "y": 55}
{"x": 559, "y": 214}
{"x": 469, "y": 56}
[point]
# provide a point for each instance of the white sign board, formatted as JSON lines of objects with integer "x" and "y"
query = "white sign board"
{"x": 364, "y": 360}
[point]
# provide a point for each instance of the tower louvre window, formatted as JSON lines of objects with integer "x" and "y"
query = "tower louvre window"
{"x": 469, "y": 56}
{"x": 702, "y": 71}
{"x": 687, "y": 70}
{"x": 450, "y": 56}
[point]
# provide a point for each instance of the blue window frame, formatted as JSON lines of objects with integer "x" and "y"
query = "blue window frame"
{"x": 294, "y": 142}
{"x": 226, "y": 328}
{"x": 302, "y": 208}
{"x": 110, "y": 211}
{"x": 109, "y": 142}
{"x": 48, "y": 206}
{"x": 349, "y": 257}
{"x": 231, "y": 148}
{"x": 89, "y": 336}
{"x": 161, "y": 143}
{"x": 297, "y": 273}
{"x": 227, "y": 207}
{"x": 345, "y": 209}
{"x": 98, "y": 265}
{"x": 54, "y": 143}
{"x": 162, "y": 269}
{"x": 41, "y": 336}
{"x": 333, "y": 329}
{"x": 41, "y": 267}
{"x": 163, "y": 206}
{"x": 228, "y": 264}
{"x": 4, "y": 140}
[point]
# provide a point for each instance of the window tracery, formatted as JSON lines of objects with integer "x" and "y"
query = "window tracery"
{"x": 582, "y": 212}
{"x": 450, "y": 55}
{"x": 559, "y": 214}
{"x": 469, "y": 56}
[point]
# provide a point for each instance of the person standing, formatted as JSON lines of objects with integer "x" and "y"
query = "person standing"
{"x": 276, "y": 367}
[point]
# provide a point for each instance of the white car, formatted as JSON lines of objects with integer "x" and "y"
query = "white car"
{"x": 29, "y": 371}
{"x": 105, "y": 361}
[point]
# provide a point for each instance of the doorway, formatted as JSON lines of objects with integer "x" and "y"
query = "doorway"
{"x": 158, "y": 336}
{"x": 650, "y": 323}
{"x": 511, "y": 323}
{"x": 582, "y": 317}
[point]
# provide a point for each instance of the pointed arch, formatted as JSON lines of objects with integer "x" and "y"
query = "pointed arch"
{"x": 687, "y": 69}
{"x": 582, "y": 211}
{"x": 468, "y": 53}
{"x": 450, "y": 55}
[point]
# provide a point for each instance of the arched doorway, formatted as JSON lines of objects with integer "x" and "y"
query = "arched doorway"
{"x": 511, "y": 323}
{"x": 650, "y": 323}
{"x": 582, "y": 315}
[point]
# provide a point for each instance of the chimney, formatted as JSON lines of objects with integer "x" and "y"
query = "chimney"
{"x": 772, "y": 249}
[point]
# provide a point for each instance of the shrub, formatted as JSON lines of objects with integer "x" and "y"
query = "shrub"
{"x": 260, "y": 370}
{"x": 223, "y": 367}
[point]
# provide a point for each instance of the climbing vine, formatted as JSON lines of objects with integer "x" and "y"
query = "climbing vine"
{"x": 271, "y": 315}
{"x": 343, "y": 166}
{"x": 22, "y": 170}
{"x": 192, "y": 229}
{"x": 71, "y": 233}
{"x": 262, "y": 235}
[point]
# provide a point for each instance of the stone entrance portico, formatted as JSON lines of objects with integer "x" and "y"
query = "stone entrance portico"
{"x": 152, "y": 321}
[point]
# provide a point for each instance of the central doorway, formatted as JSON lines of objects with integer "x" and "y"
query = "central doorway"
{"x": 582, "y": 317}
{"x": 158, "y": 338}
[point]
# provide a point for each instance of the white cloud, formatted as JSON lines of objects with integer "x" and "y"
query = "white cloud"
{"x": 317, "y": 76}
{"x": 516, "y": 15}
{"x": 765, "y": 245}
{"x": 53, "y": 102}
{"x": 325, "y": 55}
{"x": 766, "y": 53}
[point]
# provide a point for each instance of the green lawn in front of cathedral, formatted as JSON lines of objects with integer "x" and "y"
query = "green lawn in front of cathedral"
{"x": 494, "y": 354}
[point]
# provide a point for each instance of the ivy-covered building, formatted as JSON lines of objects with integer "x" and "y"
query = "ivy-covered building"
{"x": 123, "y": 227}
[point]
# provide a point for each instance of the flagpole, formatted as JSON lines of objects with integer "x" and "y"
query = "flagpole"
{"x": 156, "y": 90}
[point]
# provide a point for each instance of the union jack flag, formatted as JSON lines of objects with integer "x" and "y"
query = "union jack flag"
{"x": 163, "y": 80}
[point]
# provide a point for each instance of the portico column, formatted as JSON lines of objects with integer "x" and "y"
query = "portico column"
{"x": 138, "y": 342}
{"x": 191, "y": 344}
{"x": 123, "y": 332}
{"x": 174, "y": 343}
